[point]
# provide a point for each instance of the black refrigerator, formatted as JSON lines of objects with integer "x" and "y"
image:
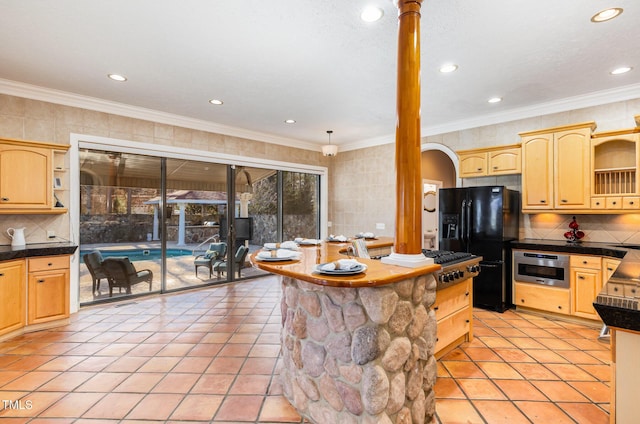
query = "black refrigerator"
{"x": 482, "y": 221}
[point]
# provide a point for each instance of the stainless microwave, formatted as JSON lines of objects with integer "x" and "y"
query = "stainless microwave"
{"x": 550, "y": 269}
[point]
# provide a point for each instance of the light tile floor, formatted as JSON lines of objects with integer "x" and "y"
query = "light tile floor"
{"x": 211, "y": 355}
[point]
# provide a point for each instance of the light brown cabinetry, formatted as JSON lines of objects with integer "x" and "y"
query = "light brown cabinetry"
{"x": 27, "y": 180}
{"x": 536, "y": 296}
{"x": 615, "y": 158}
{"x": 12, "y": 296}
{"x": 48, "y": 289}
{"x": 453, "y": 309}
{"x": 556, "y": 168}
{"x": 501, "y": 160}
{"x": 34, "y": 294}
{"x": 586, "y": 283}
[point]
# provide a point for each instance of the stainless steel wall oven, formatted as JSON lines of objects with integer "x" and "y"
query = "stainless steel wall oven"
{"x": 550, "y": 269}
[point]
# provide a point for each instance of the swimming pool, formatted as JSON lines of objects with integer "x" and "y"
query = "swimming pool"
{"x": 140, "y": 254}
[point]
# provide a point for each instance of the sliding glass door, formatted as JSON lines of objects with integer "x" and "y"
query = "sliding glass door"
{"x": 158, "y": 224}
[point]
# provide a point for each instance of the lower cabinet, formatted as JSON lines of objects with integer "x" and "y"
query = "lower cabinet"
{"x": 586, "y": 283}
{"x": 34, "y": 294}
{"x": 454, "y": 316}
{"x": 536, "y": 296}
{"x": 12, "y": 296}
{"x": 48, "y": 293}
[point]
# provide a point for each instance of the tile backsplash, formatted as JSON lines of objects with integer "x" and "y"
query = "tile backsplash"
{"x": 597, "y": 228}
{"x": 36, "y": 227}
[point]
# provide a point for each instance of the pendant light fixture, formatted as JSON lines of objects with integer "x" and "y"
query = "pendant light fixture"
{"x": 329, "y": 149}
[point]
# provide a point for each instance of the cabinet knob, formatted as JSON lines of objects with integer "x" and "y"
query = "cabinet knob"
{"x": 559, "y": 307}
{"x": 543, "y": 201}
{"x": 522, "y": 300}
{"x": 466, "y": 294}
{"x": 597, "y": 203}
{"x": 495, "y": 167}
{"x": 615, "y": 289}
{"x": 615, "y": 203}
{"x": 609, "y": 269}
{"x": 40, "y": 281}
{"x": 564, "y": 200}
{"x": 479, "y": 169}
{"x": 631, "y": 202}
{"x": 5, "y": 199}
{"x": 1, "y": 274}
{"x": 50, "y": 264}
{"x": 467, "y": 321}
{"x": 436, "y": 308}
{"x": 584, "y": 262}
{"x": 581, "y": 277}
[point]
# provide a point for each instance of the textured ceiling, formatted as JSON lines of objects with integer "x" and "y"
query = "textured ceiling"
{"x": 316, "y": 62}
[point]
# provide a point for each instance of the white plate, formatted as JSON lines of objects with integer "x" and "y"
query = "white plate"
{"x": 293, "y": 258}
{"x": 355, "y": 270}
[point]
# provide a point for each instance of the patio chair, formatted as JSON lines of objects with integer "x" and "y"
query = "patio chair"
{"x": 122, "y": 274}
{"x": 238, "y": 260}
{"x": 93, "y": 261}
{"x": 214, "y": 254}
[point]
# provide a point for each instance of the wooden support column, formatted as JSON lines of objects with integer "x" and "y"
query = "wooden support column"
{"x": 408, "y": 236}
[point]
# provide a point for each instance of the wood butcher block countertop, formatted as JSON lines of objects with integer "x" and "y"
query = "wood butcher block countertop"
{"x": 377, "y": 273}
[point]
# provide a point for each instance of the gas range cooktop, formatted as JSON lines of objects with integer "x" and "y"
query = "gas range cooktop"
{"x": 456, "y": 266}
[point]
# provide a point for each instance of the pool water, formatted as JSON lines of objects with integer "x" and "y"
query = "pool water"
{"x": 141, "y": 254}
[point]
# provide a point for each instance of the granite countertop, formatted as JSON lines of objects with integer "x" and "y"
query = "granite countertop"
{"x": 614, "y": 250}
{"x": 37, "y": 249}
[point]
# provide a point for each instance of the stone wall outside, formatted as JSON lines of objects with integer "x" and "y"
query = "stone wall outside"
{"x": 360, "y": 355}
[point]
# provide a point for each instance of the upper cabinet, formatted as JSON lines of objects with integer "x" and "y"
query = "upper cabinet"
{"x": 556, "y": 168}
{"x": 32, "y": 178}
{"x": 614, "y": 162}
{"x": 501, "y": 160}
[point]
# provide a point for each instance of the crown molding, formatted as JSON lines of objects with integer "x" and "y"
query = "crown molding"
{"x": 596, "y": 98}
{"x": 35, "y": 92}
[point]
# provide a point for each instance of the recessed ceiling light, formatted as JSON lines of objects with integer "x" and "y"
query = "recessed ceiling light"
{"x": 290, "y": 121}
{"x": 621, "y": 70}
{"x": 449, "y": 67}
{"x": 606, "y": 14}
{"x": 216, "y": 102}
{"x": 495, "y": 100}
{"x": 116, "y": 77}
{"x": 371, "y": 14}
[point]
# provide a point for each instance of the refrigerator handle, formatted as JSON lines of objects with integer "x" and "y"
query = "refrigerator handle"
{"x": 467, "y": 225}
{"x": 463, "y": 222}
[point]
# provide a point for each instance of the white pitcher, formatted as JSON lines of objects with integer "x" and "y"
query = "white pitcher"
{"x": 17, "y": 237}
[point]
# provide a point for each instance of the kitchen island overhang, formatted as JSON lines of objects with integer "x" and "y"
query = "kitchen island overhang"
{"x": 357, "y": 348}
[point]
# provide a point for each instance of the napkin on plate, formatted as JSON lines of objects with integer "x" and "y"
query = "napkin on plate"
{"x": 307, "y": 241}
{"x": 340, "y": 264}
{"x": 337, "y": 238}
{"x": 291, "y": 245}
{"x": 278, "y": 253}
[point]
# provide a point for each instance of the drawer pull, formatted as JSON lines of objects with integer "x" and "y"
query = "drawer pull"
{"x": 522, "y": 300}
{"x": 479, "y": 169}
{"x": 581, "y": 277}
{"x": 564, "y": 200}
{"x": 597, "y": 203}
{"x": 543, "y": 201}
{"x": 609, "y": 269}
{"x": 467, "y": 321}
{"x": 436, "y": 308}
{"x": 559, "y": 307}
{"x": 631, "y": 203}
{"x": 615, "y": 289}
{"x": 614, "y": 203}
{"x": 1, "y": 274}
{"x": 633, "y": 291}
{"x": 495, "y": 167}
{"x": 40, "y": 281}
{"x": 466, "y": 294}
{"x": 5, "y": 199}
{"x": 584, "y": 262}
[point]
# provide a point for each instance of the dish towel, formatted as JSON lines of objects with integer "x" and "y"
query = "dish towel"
{"x": 291, "y": 245}
{"x": 341, "y": 264}
{"x": 278, "y": 253}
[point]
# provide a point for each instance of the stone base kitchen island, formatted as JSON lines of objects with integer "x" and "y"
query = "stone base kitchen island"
{"x": 357, "y": 348}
